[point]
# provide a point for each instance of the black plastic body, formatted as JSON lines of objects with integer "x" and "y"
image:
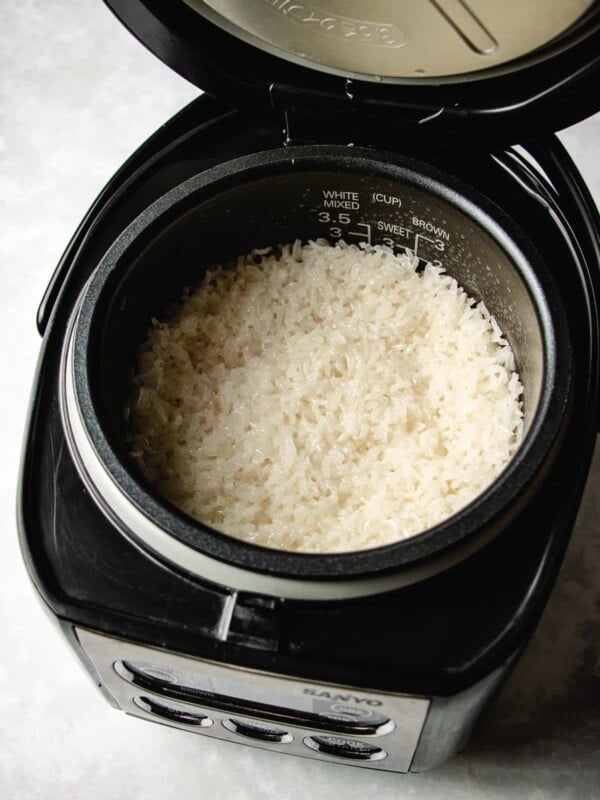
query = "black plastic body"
{"x": 452, "y": 637}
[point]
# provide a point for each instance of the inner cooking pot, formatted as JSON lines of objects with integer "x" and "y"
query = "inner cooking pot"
{"x": 273, "y": 198}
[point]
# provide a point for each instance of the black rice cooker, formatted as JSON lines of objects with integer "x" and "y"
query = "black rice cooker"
{"x": 373, "y": 125}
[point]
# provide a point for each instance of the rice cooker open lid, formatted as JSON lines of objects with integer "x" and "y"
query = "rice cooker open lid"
{"x": 501, "y": 70}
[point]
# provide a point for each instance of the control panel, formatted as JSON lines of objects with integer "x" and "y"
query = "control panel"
{"x": 337, "y": 723}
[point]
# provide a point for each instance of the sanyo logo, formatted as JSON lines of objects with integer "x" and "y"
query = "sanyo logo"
{"x": 342, "y": 698}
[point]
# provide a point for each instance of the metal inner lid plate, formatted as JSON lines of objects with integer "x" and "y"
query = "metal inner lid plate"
{"x": 397, "y": 40}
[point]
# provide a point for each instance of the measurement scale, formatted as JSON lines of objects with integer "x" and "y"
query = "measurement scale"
{"x": 379, "y": 218}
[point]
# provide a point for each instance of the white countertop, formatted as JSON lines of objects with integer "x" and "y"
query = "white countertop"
{"x": 78, "y": 94}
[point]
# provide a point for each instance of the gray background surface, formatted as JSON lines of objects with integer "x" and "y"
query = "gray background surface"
{"x": 77, "y": 96}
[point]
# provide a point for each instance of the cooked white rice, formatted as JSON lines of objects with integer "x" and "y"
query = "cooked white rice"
{"x": 325, "y": 398}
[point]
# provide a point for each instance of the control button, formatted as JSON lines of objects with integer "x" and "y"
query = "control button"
{"x": 172, "y": 712}
{"x": 376, "y": 726}
{"x": 355, "y": 712}
{"x": 345, "y": 748}
{"x": 367, "y": 721}
{"x": 257, "y": 730}
{"x": 156, "y": 673}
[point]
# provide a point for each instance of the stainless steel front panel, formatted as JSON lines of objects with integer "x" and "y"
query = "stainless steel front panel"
{"x": 344, "y": 724}
{"x": 397, "y": 41}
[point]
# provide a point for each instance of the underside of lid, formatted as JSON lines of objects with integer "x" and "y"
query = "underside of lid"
{"x": 479, "y": 72}
{"x": 392, "y": 42}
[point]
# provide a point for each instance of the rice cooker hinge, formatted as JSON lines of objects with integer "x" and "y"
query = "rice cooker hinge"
{"x": 310, "y": 118}
{"x": 349, "y": 117}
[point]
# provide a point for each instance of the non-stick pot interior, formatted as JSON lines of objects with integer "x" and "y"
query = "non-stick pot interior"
{"x": 307, "y": 205}
{"x": 412, "y": 216}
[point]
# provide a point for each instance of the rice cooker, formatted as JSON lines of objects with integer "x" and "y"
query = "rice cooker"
{"x": 378, "y": 123}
